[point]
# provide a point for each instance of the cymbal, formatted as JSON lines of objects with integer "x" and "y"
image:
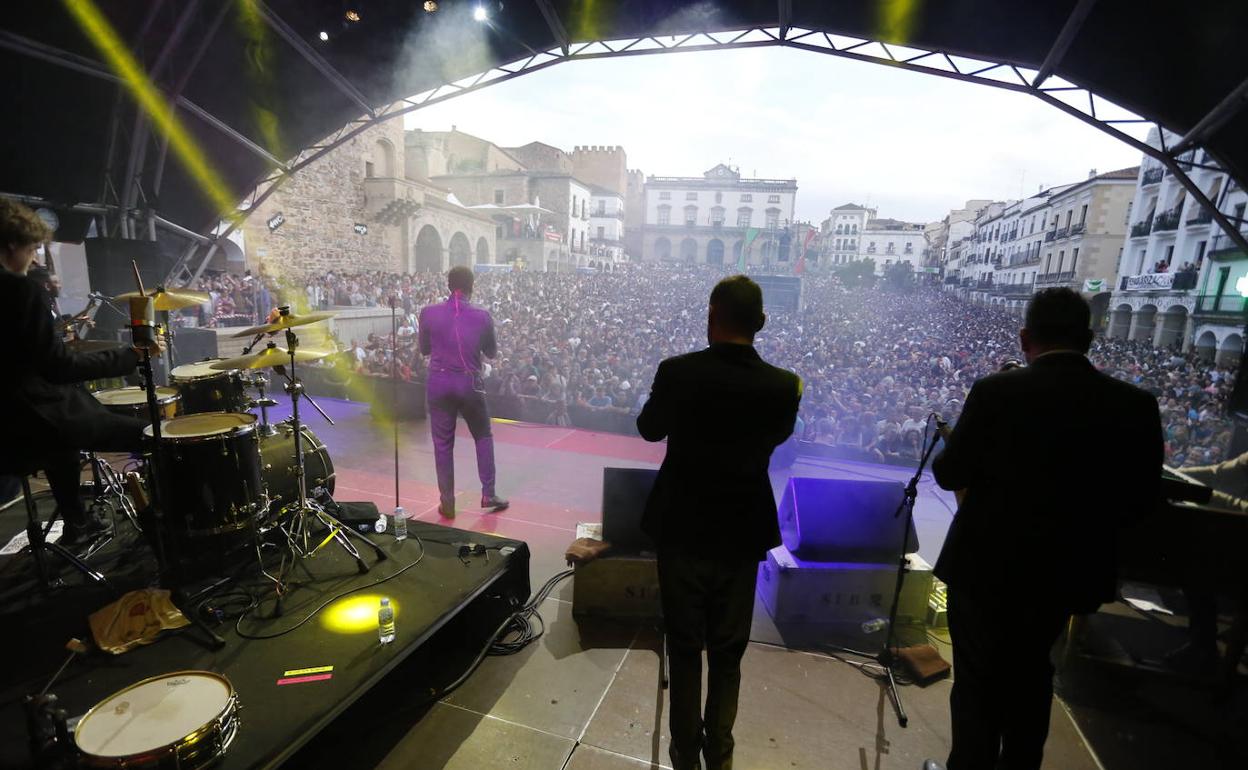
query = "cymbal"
{"x": 169, "y": 299}
{"x": 270, "y": 357}
{"x": 93, "y": 346}
{"x": 286, "y": 322}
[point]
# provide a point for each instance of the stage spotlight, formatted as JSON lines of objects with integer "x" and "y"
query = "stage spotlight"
{"x": 355, "y": 614}
{"x": 352, "y": 16}
{"x": 430, "y": 6}
{"x": 324, "y": 36}
{"x": 480, "y": 14}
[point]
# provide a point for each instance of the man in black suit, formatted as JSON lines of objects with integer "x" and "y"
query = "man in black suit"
{"x": 712, "y": 513}
{"x": 50, "y": 418}
{"x": 1054, "y": 457}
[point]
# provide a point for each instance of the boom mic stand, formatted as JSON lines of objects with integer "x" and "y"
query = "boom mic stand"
{"x": 888, "y": 657}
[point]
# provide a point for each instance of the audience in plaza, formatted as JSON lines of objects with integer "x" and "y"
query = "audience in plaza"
{"x": 875, "y": 363}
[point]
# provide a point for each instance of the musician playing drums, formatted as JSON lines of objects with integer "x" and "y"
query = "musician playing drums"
{"x": 51, "y": 420}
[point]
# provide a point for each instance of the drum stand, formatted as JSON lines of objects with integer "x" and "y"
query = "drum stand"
{"x": 303, "y": 512}
{"x": 110, "y": 490}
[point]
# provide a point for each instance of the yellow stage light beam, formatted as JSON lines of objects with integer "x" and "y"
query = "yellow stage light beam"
{"x": 897, "y": 19}
{"x": 260, "y": 54}
{"x": 355, "y": 614}
{"x": 149, "y": 99}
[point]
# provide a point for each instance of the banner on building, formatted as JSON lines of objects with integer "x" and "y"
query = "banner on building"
{"x": 1095, "y": 285}
{"x": 1149, "y": 282}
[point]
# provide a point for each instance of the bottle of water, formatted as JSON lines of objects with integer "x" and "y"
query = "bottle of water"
{"x": 873, "y": 625}
{"x": 385, "y": 621}
{"x": 400, "y": 524}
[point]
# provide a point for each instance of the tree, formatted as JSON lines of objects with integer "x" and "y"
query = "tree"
{"x": 899, "y": 276}
{"x": 853, "y": 274}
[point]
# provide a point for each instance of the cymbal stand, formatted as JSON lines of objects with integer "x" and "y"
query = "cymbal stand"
{"x": 110, "y": 490}
{"x": 260, "y": 383}
{"x": 303, "y": 512}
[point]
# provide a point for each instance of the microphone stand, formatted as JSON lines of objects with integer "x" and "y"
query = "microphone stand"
{"x": 888, "y": 656}
{"x": 394, "y": 399}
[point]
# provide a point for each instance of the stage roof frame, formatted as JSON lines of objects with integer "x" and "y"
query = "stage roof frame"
{"x": 262, "y": 95}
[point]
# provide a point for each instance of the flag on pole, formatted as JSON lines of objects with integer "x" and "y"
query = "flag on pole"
{"x": 800, "y": 267}
{"x": 750, "y": 234}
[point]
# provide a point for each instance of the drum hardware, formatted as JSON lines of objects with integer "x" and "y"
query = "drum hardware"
{"x": 110, "y": 490}
{"x": 141, "y": 324}
{"x": 185, "y": 720}
{"x": 260, "y": 383}
{"x": 296, "y": 519}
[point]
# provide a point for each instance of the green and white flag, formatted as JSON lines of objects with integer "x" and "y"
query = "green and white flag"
{"x": 1094, "y": 285}
{"x": 750, "y": 234}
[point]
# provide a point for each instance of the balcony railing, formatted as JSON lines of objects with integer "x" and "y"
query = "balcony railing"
{"x": 1050, "y": 236}
{"x": 1062, "y": 232}
{"x": 1152, "y": 175}
{"x": 1014, "y": 289}
{"x": 1076, "y": 229}
{"x": 1226, "y": 305}
{"x": 1180, "y": 281}
{"x": 1202, "y": 217}
{"x": 1222, "y": 247}
{"x": 603, "y": 213}
{"x": 1142, "y": 228}
{"x": 1167, "y": 220}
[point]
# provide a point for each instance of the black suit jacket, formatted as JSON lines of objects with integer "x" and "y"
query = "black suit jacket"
{"x": 1054, "y": 457}
{"x": 723, "y": 410}
{"x": 43, "y": 406}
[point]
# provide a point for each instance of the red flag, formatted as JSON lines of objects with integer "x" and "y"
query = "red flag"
{"x": 800, "y": 267}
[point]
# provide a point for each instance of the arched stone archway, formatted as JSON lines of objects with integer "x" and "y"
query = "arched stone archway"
{"x": 1207, "y": 345}
{"x": 428, "y": 251}
{"x": 1145, "y": 323}
{"x": 1100, "y": 311}
{"x": 460, "y": 251}
{"x": 1120, "y": 321}
{"x": 662, "y": 248}
{"x": 715, "y": 252}
{"x": 1230, "y": 350}
{"x": 483, "y": 251}
{"x": 688, "y": 250}
{"x": 1172, "y": 324}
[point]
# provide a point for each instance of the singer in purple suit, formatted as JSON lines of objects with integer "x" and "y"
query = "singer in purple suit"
{"x": 455, "y": 335}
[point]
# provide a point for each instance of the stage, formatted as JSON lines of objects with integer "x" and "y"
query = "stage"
{"x": 583, "y": 697}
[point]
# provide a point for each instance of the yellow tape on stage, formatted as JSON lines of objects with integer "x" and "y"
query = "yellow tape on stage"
{"x": 314, "y": 670}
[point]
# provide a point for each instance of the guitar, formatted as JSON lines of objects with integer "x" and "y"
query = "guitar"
{"x": 944, "y": 430}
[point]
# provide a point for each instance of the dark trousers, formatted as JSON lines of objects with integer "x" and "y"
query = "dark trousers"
{"x": 707, "y": 604}
{"x": 1002, "y": 681}
{"x": 101, "y": 432}
{"x": 449, "y": 395}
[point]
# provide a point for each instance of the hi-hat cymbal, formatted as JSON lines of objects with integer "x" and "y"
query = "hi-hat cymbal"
{"x": 270, "y": 357}
{"x": 169, "y": 299}
{"x": 284, "y": 322}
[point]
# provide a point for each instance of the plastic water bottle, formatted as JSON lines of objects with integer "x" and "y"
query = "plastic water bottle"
{"x": 873, "y": 625}
{"x": 385, "y": 621}
{"x": 400, "y": 524}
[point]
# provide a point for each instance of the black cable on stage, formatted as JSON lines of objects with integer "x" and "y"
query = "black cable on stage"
{"x": 255, "y": 602}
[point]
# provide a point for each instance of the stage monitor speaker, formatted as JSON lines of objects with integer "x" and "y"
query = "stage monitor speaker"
{"x": 844, "y": 520}
{"x": 624, "y": 495}
{"x": 191, "y": 344}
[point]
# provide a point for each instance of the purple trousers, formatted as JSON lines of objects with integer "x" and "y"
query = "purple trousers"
{"x": 448, "y": 395}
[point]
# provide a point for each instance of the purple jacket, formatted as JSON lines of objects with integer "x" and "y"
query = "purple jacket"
{"x": 455, "y": 334}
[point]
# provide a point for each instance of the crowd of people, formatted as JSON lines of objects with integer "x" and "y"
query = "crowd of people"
{"x": 874, "y": 364}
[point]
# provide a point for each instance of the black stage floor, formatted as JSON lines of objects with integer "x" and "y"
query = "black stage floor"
{"x": 436, "y": 587}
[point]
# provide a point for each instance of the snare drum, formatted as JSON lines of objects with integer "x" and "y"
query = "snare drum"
{"x": 210, "y": 480}
{"x": 281, "y": 479}
{"x": 205, "y": 389}
{"x": 132, "y": 402}
{"x": 184, "y": 720}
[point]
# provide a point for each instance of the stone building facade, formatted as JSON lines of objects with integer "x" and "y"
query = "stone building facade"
{"x": 362, "y": 208}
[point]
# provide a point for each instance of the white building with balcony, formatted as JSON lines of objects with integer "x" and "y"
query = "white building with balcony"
{"x": 1177, "y": 279}
{"x": 842, "y": 233}
{"x": 708, "y": 219}
{"x": 889, "y": 241}
{"x": 606, "y": 227}
{"x": 982, "y": 253}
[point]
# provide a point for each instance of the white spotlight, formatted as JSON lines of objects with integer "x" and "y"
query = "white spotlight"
{"x": 324, "y": 36}
{"x": 480, "y": 14}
